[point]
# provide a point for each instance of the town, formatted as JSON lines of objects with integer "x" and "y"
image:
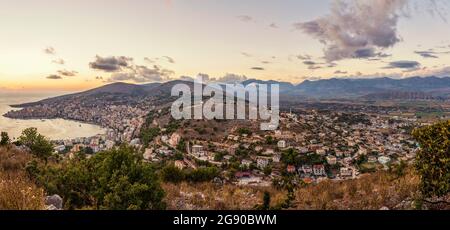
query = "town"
{"x": 312, "y": 146}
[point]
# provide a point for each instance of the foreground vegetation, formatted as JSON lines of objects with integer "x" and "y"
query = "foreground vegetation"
{"x": 119, "y": 179}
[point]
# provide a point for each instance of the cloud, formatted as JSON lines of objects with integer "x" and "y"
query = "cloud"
{"x": 403, "y": 65}
{"x": 356, "y": 28}
{"x": 340, "y": 72}
{"x": 246, "y": 54}
{"x": 50, "y": 50}
{"x": 111, "y": 64}
{"x": 274, "y": 26}
{"x": 231, "y": 78}
{"x": 67, "y": 73}
{"x": 438, "y": 72}
{"x": 245, "y": 18}
{"x": 141, "y": 74}
{"x": 266, "y": 62}
{"x": 169, "y": 59}
{"x": 59, "y": 61}
{"x": 312, "y": 65}
{"x": 304, "y": 57}
{"x": 54, "y": 77}
{"x": 151, "y": 60}
{"x": 258, "y": 68}
{"x": 186, "y": 78}
{"x": 427, "y": 54}
{"x": 309, "y": 63}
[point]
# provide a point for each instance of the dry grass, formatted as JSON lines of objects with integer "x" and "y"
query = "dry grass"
{"x": 17, "y": 192}
{"x": 206, "y": 196}
{"x": 12, "y": 159}
{"x": 370, "y": 192}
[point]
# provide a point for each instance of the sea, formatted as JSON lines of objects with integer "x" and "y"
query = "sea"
{"x": 54, "y": 129}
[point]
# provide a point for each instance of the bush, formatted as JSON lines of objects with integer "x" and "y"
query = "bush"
{"x": 203, "y": 174}
{"x": 172, "y": 174}
{"x": 116, "y": 179}
{"x": 433, "y": 158}
{"x": 4, "y": 139}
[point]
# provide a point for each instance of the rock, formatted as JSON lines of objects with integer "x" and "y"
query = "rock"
{"x": 384, "y": 208}
{"x": 51, "y": 207}
{"x": 55, "y": 201}
{"x": 217, "y": 181}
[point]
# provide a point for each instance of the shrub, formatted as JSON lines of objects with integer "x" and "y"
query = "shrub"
{"x": 433, "y": 158}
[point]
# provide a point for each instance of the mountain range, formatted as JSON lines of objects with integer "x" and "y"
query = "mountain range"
{"x": 416, "y": 88}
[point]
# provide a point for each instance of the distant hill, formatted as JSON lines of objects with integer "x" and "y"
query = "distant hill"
{"x": 354, "y": 88}
{"x": 415, "y": 88}
{"x": 399, "y": 95}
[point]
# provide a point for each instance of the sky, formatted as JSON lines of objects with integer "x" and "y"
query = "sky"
{"x": 76, "y": 45}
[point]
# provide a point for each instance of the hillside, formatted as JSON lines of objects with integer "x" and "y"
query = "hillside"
{"x": 381, "y": 190}
{"x": 352, "y": 88}
{"x": 415, "y": 88}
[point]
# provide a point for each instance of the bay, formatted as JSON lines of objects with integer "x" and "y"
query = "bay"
{"x": 55, "y": 129}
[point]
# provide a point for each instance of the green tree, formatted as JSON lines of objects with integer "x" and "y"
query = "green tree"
{"x": 267, "y": 170}
{"x": 115, "y": 180}
{"x": 39, "y": 145}
{"x": 245, "y": 131}
{"x": 172, "y": 174}
{"x": 266, "y": 202}
{"x": 148, "y": 134}
{"x": 289, "y": 156}
{"x": 270, "y": 140}
{"x": 181, "y": 146}
{"x": 4, "y": 139}
{"x": 433, "y": 159}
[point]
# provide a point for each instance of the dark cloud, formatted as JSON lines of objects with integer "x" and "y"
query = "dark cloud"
{"x": 364, "y": 53}
{"x": 356, "y": 29}
{"x": 403, "y": 65}
{"x": 67, "y": 73}
{"x": 427, "y": 54}
{"x": 340, "y": 72}
{"x": 266, "y": 62}
{"x": 309, "y": 63}
{"x": 273, "y": 25}
{"x": 59, "y": 61}
{"x": 54, "y": 77}
{"x": 258, "y": 68}
{"x": 169, "y": 59}
{"x": 312, "y": 65}
{"x": 245, "y": 18}
{"x": 50, "y": 50}
{"x": 111, "y": 64}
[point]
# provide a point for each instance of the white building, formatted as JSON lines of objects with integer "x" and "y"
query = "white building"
{"x": 246, "y": 163}
{"x": 262, "y": 162}
{"x": 282, "y": 144}
{"x": 346, "y": 172}
{"x": 319, "y": 170}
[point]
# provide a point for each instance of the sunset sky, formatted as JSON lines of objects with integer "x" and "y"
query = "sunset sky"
{"x": 80, "y": 44}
